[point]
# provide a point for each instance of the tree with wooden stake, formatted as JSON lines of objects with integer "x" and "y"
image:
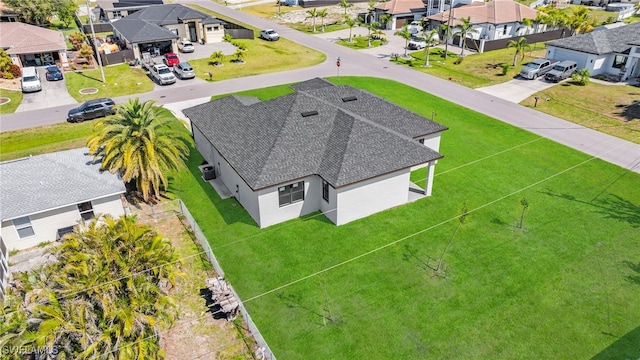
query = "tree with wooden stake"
{"x": 461, "y": 219}
{"x": 525, "y": 205}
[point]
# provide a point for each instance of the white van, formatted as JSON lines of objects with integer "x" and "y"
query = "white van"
{"x": 30, "y": 79}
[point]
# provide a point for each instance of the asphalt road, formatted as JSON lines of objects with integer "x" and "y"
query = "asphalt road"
{"x": 614, "y": 150}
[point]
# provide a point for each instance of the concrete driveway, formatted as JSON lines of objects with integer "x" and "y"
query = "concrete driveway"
{"x": 517, "y": 89}
{"x": 54, "y": 93}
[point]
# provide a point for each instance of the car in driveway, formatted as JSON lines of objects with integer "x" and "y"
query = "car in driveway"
{"x": 416, "y": 44}
{"x": 184, "y": 71}
{"x": 92, "y": 109}
{"x": 561, "y": 71}
{"x": 30, "y": 81}
{"x": 54, "y": 73}
{"x": 186, "y": 46}
{"x": 162, "y": 74}
{"x": 269, "y": 35}
{"x": 171, "y": 59}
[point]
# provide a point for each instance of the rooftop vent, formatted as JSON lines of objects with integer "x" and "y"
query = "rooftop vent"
{"x": 309, "y": 113}
{"x": 349, "y": 98}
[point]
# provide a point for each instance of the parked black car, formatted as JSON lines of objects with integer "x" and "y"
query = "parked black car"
{"x": 92, "y": 109}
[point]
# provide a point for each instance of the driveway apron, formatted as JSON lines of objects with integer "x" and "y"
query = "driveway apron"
{"x": 53, "y": 93}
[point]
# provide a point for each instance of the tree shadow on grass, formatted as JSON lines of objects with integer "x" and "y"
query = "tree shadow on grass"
{"x": 626, "y": 347}
{"x": 629, "y": 111}
{"x": 611, "y": 206}
{"x": 634, "y": 279}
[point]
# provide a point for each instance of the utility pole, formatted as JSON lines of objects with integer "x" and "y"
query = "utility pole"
{"x": 447, "y": 35}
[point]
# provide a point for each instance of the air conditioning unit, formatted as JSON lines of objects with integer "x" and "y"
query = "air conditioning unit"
{"x": 208, "y": 172}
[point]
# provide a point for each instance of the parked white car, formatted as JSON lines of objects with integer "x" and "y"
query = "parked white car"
{"x": 184, "y": 71}
{"x": 162, "y": 74}
{"x": 415, "y": 27}
{"x": 186, "y": 46}
{"x": 269, "y": 34}
{"x": 30, "y": 79}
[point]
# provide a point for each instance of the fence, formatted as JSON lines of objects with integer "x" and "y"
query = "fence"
{"x": 488, "y": 45}
{"x": 265, "y": 351}
{"x": 238, "y": 31}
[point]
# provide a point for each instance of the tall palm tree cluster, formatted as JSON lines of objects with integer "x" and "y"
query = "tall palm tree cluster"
{"x": 141, "y": 145}
{"x": 106, "y": 296}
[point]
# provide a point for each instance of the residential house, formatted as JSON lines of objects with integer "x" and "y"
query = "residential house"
{"x": 438, "y": 6}
{"x": 613, "y": 51}
{"x": 402, "y": 12}
{"x": 116, "y": 9}
{"x": 8, "y": 14}
{"x": 497, "y": 19}
{"x": 30, "y": 45}
{"x": 44, "y": 196}
{"x": 334, "y": 149}
{"x": 156, "y": 28}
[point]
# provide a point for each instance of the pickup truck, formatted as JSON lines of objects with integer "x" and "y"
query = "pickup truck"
{"x": 537, "y": 68}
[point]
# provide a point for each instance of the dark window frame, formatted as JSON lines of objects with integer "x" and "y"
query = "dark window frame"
{"x": 291, "y": 194}
{"x": 325, "y": 190}
{"x": 86, "y": 213}
{"x": 619, "y": 61}
{"x": 23, "y": 228}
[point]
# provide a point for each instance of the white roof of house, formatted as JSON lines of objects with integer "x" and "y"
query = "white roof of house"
{"x": 38, "y": 183}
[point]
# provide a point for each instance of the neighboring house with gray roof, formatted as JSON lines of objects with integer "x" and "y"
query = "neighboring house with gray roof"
{"x": 612, "y": 51}
{"x": 156, "y": 28}
{"x": 44, "y": 196}
{"x": 328, "y": 148}
{"x": 115, "y": 9}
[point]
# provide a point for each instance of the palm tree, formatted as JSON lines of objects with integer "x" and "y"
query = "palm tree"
{"x": 465, "y": 28}
{"x": 579, "y": 20}
{"x": 520, "y": 46}
{"x": 371, "y": 26}
{"x": 351, "y": 23}
{"x": 446, "y": 34}
{"x": 313, "y": 13}
{"x": 406, "y": 35}
{"x": 528, "y": 23}
{"x": 370, "y": 10}
{"x": 385, "y": 19}
{"x": 322, "y": 14}
{"x": 430, "y": 38}
{"x": 216, "y": 58}
{"x": 345, "y": 4}
{"x": 141, "y": 145}
{"x": 239, "y": 56}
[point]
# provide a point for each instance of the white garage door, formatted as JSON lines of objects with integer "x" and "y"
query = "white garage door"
{"x": 564, "y": 54}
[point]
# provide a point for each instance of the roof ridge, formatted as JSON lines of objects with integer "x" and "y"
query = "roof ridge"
{"x": 328, "y": 151}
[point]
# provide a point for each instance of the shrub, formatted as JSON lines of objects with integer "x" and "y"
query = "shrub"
{"x": 241, "y": 46}
{"x": 85, "y": 66}
{"x": 458, "y": 61}
{"x": 505, "y": 68}
{"x": 15, "y": 70}
{"x": 73, "y": 67}
{"x": 77, "y": 39}
{"x": 581, "y": 77}
{"x": 227, "y": 38}
{"x": 7, "y": 75}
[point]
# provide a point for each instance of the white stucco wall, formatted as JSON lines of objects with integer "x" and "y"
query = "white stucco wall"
{"x": 46, "y": 224}
{"x": 596, "y": 64}
{"x": 431, "y": 141}
{"x": 215, "y": 35}
{"x": 328, "y": 208}
{"x": 371, "y": 196}
{"x": 272, "y": 213}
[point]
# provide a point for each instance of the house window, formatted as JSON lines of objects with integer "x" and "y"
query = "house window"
{"x": 175, "y": 31}
{"x": 209, "y": 28}
{"x": 86, "y": 210}
{"x": 504, "y": 30}
{"x": 325, "y": 191}
{"x": 619, "y": 61}
{"x": 215, "y": 28}
{"x": 291, "y": 193}
{"x": 421, "y": 141}
{"x": 117, "y": 14}
{"x": 23, "y": 227}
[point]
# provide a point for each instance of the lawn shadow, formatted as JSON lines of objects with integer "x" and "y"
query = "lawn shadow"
{"x": 634, "y": 279}
{"x": 629, "y": 111}
{"x": 295, "y": 302}
{"x": 611, "y": 206}
{"x": 81, "y": 73}
{"x": 626, "y": 347}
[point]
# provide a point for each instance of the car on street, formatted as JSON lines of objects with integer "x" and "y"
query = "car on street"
{"x": 269, "y": 35}
{"x": 185, "y": 46}
{"x": 184, "y": 71}
{"x": 171, "y": 59}
{"x": 54, "y": 73}
{"x": 414, "y": 27}
{"x": 162, "y": 74}
{"x": 92, "y": 109}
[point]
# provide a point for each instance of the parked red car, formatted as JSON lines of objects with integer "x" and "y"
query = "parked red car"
{"x": 171, "y": 59}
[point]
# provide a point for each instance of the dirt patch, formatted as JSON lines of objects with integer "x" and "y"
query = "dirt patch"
{"x": 335, "y": 15}
{"x": 197, "y": 334}
{"x": 87, "y": 91}
{"x": 4, "y": 100}
{"x": 12, "y": 84}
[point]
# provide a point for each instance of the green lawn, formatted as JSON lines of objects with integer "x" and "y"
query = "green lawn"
{"x": 359, "y": 42}
{"x": 11, "y": 106}
{"x": 261, "y": 57}
{"x": 121, "y": 80}
{"x": 475, "y": 70}
{"x": 611, "y": 109}
{"x": 564, "y": 286}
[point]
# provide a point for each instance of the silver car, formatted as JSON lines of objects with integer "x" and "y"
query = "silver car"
{"x": 162, "y": 74}
{"x": 185, "y": 46}
{"x": 184, "y": 71}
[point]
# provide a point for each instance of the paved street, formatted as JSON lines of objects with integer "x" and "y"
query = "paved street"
{"x": 609, "y": 148}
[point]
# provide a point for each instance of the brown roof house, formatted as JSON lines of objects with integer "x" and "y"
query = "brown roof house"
{"x": 497, "y": 19}
{"x": 30, "y": 45}
{"x": 402, "y": 12}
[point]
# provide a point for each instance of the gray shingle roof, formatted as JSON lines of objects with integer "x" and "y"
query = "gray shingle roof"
{"x": 271, "y": 142}
{"x": 35, "y": 184}
{"x": 618, "y": 40}
{"x": 139, "y": 31}
{"x": 169, "y": 14}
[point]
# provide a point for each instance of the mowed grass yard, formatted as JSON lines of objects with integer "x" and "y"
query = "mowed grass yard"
{"x": 611, "y": 109}
{"x": 564, "y": 286}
